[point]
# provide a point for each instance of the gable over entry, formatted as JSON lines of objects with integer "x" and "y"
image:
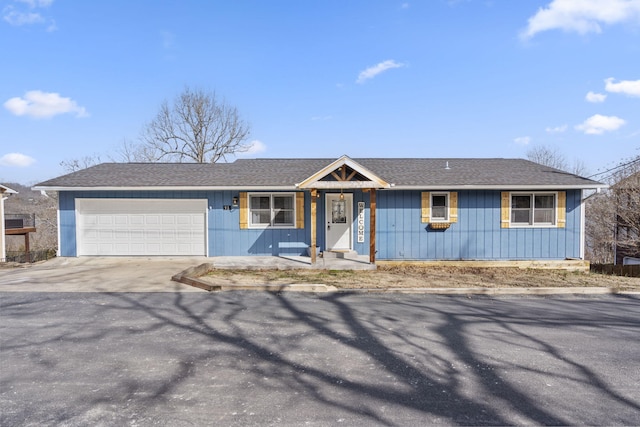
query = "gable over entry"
{"x": 344, "y": 174}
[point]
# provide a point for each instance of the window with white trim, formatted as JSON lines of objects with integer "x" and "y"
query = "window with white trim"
{"x": 533, "y": 209}
{"x": 439, "y": 207}
{"x": 272, "y": 210}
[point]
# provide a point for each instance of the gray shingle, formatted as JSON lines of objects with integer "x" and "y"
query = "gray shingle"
{"x": 258, "y": 173}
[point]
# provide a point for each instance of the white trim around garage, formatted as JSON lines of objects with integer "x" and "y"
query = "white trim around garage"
{"x": 141, "y": 227}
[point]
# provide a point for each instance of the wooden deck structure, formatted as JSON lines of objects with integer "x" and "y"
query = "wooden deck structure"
{"x": 21, "y": 225}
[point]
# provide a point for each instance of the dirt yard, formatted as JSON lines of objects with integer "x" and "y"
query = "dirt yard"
{"x": 425, "y": 277}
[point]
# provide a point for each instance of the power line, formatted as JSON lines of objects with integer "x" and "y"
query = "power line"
{"x": 615, "y": 168}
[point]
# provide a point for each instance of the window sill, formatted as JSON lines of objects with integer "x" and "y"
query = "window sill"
{"x": 512, "y": 225}
{"x": 264, "y": 227}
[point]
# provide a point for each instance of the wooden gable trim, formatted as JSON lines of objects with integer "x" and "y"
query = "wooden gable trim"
{"x": 313, "y": 181}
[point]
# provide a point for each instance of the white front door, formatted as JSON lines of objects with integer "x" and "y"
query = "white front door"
{"x": 339, "y": 218}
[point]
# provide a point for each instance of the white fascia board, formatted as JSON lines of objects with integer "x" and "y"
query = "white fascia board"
{"x": 7, "y": 190}
{"x": 345, "y": 185}
{"x": 498, "y": 187}
{"x": 208, "y": 188}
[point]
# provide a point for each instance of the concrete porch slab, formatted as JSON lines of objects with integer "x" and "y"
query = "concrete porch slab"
{"x": 358, "y": 262}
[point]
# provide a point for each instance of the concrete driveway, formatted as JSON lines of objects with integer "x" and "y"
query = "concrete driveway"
{"x": 98, "y": 274}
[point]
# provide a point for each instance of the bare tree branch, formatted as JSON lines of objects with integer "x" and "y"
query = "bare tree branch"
{"x": 613, "y": 217}
{"x": 548, "y": 156}
{"x": 73, "y": 165}
{"x": 197, "y": 127}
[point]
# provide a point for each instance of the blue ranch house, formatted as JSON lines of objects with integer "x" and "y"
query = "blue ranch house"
{"x": 390, "y": 209}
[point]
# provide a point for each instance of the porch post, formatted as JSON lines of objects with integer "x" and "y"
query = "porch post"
{"x": 372, "y": 226}
{"x": 314, "y": 197}
{"x": 27, "y": 250}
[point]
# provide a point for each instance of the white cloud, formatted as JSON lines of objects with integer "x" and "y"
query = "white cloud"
{"x": 36, "y": 3}
{"x": 255, "y": 147}
{"x": 27, "y": 12}
{"x": 522, "y": 140}
{"x": 557, "y": 129}
{"x": 16, "y": 159}
{"x": 595, "y": 97}
{"x": 40, "y": 105}
{"x": 599, "y": 124}
{"x": 581, "y": 16}
{"x": 627, "y": 87}
{"x": 17, "y": 18}
{"x": 371, "y": 72}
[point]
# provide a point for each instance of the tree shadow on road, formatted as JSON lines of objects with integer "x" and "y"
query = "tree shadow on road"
{"x": 390, "y": 360}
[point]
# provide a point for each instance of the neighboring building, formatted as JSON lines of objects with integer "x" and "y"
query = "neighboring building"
{"x": 626, "y": 196}
{"x": 4, "y": 192}
{"x": 388, "y": 209}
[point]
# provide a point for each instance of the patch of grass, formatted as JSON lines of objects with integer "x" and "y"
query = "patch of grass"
{"x": 420, "y": 276}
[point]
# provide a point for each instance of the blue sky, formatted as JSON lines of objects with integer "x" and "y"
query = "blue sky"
{"x": 366, "y": 78}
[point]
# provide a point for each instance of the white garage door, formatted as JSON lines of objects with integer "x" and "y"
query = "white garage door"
{"x": 141, "y": 227}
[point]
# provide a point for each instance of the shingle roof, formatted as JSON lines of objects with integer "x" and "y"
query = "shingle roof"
{"x": 262, "y": 173}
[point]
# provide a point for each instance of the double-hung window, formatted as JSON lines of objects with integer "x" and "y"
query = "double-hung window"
{"x": 439, "y": 207}
{"x": 272, "y": 210}
{"x": 533, "y": 209}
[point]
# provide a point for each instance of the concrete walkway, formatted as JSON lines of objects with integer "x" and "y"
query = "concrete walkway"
{"x": 352, "y": 262}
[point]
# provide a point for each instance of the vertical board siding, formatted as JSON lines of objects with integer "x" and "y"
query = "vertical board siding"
{"x": 223, "y": 234}
{"x": 477, "y": 234}
{"x": 400, "y": 233}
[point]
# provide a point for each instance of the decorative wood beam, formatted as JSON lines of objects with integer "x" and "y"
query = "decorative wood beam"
{"x": 350, "y": 177}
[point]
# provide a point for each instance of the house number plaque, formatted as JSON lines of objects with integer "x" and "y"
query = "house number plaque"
{"x": 360, "y": 222}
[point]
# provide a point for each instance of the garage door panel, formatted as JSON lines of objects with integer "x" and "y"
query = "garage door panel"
{"x": 152, "y": 220}
{"x": 105, "y": 220}
{"x": 141, "y": 227}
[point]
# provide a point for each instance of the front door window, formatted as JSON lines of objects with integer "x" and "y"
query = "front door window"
{"x": 339, "y": 218}
{"x": 338, "y": 212}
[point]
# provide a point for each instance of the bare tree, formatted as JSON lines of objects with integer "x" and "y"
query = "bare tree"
{"x": 196, "y": 127}
{"x": 129, "y": 151}
{"x": 548, "y": 156}
{"x": 613, "y": 217}
{"x": 73, "y": 165}
{"x": 553, "y": 157}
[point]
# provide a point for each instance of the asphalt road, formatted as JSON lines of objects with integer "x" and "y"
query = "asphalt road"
{"x": 256, "y": 358}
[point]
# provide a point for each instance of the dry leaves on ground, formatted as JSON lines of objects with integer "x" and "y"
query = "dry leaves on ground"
{"x": 424, "y": 277}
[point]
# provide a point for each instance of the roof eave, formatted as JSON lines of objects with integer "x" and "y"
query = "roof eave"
{"x": 503, "y": 187}
{"x": 167, "y": 188}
